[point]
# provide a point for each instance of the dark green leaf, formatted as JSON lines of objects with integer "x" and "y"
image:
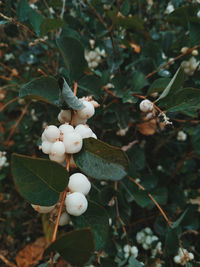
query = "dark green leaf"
{"x": 193, "y": 264}
{"x": 73, "y": 54}
{"x": 91, "y": 84}
{"x": 23, "y": 10}
{"x": 35, "y": 19}
{"x": 48, "y": 25}
{"x": 171, "y": 242}
{"x": 194, "y": 33}
{"x": 139, "y": 81}
{"x": 44, "y": 88}
{"x": 102, "y": 161}
{"x": 68, "y": 97}
{"x": 196, "y": 140}
{"x": 178, "y": 222}
{"x": 96, "y": 218}
{"x": 125, "y": 8}
{"x": 75, "y": 247}
{"x": 107, "y": 262}
{"x": 134, "y": 263}
{"x": 39, "y": 180}
{"x": 158, "y": 85}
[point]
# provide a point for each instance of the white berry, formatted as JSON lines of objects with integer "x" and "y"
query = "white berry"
{"x": 73, "y": 142}
{"x": 52, "y": 133}
{"x": 94, "y": 136}
{"x": 146, "y": 106}
{"x": 64, "y": 116}
{"x": 42, "y": 209}
{"x": 66, "y": 128}
{"x": 78, "y": 182}
{"x": 46, "y": 147}
{"x": 64, "y": 219}
{"x": 58, "y": 148}
{"x": 59, "y": 159}
{"x": 43, "y": 137}
{"x": 87, "y": 112}
{"x": 84, "y": 130}
{"x": 76, "y": 203}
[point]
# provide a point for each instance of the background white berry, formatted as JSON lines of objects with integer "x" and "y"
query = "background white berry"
{"x": 52, "y": 133}
{"x": 73, "y": 142}
{"x": 46, "y": 147}
{"x": 146, "y": 106}
{"x": 84, "y": 130}
{"x": 76, "y": 203}
{"x": 59, "y": 159}
{"x": 64, "y": 219}
{"x": 64, "y": 116}
{"x": 78, "y": 182}
{"x": 58, "y": 148}
{"x": 77, "y": 120}
{"x": 43, "y": 209}
{"x": 87, "y": 112}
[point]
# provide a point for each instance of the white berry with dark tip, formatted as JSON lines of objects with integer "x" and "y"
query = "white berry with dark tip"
{"x": 76, "y": 203}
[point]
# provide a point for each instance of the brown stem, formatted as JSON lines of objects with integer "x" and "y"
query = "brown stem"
{"x": 154, "y": 201}
{"x": 7, "y": 262}
{"x": 173, "y": 60}
{"x": 42, "y": 72}
{"x": 8, "y": 103}
{"x": 95, "y": 13}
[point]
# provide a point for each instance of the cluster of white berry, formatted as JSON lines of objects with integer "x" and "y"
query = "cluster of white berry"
{"x": 183, "y": 256}
{"x": 65, "y": 140}
{"x": 3, "y": 159}
{"x": 75, "y": 201}
{"x": 58, "y": 142}
{"x": 181, "y": 136}
{"x": 128, "y": 250}
{"x": 190, "y": 66}
{"x": 94, "y": 57}
{"x": 146, "y": 238}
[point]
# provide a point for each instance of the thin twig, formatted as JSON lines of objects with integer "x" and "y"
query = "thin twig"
{"x": 7, "y": 262}
{"x": 95, "y": 13}
{"x": 8, "y": 103}
{"x": 172, "y": 61}
{"x": 14, "y": 127}
{"x": 154, "y": 201}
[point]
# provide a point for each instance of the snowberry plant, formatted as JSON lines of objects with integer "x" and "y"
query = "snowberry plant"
{"x": 101, "y": 116}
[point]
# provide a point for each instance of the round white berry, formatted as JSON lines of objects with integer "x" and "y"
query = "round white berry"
{"x": 195, "y": 52}
{"x": 76, "y": 203}
{"x": 52, "y": 133}
{"x": 77, "y": 120}
{"x": 146, "y": 106}
{"x": 42, "y": 209}
{"x": 58, "y": 148}
{"x": 87, "y": 112}
{"x": 64, "y": 116}
{"x": 59, "y": 159}
{"x": 177, "y": 259}
{"x": 184, "y": 49}
{"x": 73, "y": 142}
{"x": 64, "y": 219}
{"x": 84, "y": 130}
{"x": 78, "y": 182}
{"x": 127, "y": 248}
{"x": 134, "y": 251}
{"x": 46, "y": 147}
{"x": 66, "y": 128}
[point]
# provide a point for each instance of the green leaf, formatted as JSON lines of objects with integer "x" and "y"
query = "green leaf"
{"x": 158, "y": 85}
{"x": 48, "y": 25}
{"x": 68, "y": 97}
{"x": 39, "y": 180}
{"x": 178, "y": 222}
{"x": 23, "y": 10}
{"x": 107, "y": 262}
{"x": 138, "y": 82}
{"x": 73, "y": 54}
{"x": 125, "y": 7}
{"x": 194, "y": 33}
{"x": 44, "y": 88}
{"x": 160, "y": 194}
{"x": 102, "y": 161}
{"x": 193, "y": 264}
{"x": 91, "y": 84}
{"x": 35, "y": 19}
{"x": 196, "y": 140}
{"x": 171, "y": 242}
{"x": 134, "y": 263}
{"x": 97, "y": 219}
{"x": 76, "y": 247}
{"x": 174, "y": 85}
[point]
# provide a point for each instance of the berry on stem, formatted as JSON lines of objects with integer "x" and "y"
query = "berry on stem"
{"x": 146, "y": 106}
{"x": 78, "y": 182}
{"x": 52, "y": 133}
{"x": 84, "y": 130}
{"x": 87, "y": 112}
{"x": 76, "y": 203}
{"x": 58, "y": 148}
{"x": 73, "y": 142}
